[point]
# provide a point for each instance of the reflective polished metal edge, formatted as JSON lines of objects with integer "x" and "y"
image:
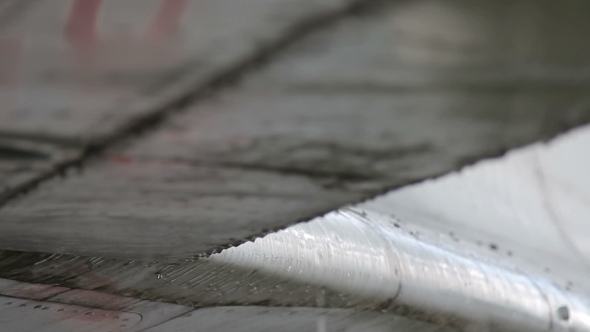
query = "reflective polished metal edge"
{"x": 367, "y": 255}
{"x": 529, "y": 208}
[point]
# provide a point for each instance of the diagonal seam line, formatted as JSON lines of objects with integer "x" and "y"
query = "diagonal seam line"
{"x": 196, "y": 92}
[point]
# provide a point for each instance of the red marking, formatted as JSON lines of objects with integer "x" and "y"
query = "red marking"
{"x": 87, "y": 314}
{"x": 166, "y": 21}
{"x": 82, "y": 20}
{"x": 81, "y": 27}
{"x": 85, "y": 277}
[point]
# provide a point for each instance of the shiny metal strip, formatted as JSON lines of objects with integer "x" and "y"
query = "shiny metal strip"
{"x": 368, "y": 256}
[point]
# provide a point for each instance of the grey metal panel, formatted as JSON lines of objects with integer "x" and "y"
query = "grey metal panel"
{"x": 420, "y": 113}
{"x": 346, "y": 259}
{"x": 259, "y": 319}
{"x": 29, "y": 291}
{"x": 58, "y": 301}
{"x": 84, "y": 66}
{"x": 44, "y": 317}
{"x": 424, "y": 263}
{"x": 21, "y": 315}
{"x": 75, "y": 75}
{"x": 360, "y": 259}
{"x": 204, "y": 282}
{"x": 330, "y": 122}
{"x": 152, "y": 313}
{"x": 159, "y": 209}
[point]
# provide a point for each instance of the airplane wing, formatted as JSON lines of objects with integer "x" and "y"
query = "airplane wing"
{"x": 144, "y": 144}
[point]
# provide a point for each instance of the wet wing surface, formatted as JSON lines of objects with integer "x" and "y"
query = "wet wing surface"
{"x": 132, "y": 142}
{"x": 350, "y": 112}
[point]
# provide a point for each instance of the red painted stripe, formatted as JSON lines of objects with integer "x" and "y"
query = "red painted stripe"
{"x": 166, "y": 20}
{"x": 81, "y": 27}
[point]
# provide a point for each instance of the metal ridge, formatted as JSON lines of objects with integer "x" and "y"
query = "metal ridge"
{"x": 372, "y": 257}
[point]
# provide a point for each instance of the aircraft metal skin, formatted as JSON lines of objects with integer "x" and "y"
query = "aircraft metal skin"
{"x": 140, "y": 138}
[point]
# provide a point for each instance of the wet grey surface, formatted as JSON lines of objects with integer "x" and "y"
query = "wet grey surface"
{"x": 403, "y": 92}
{"x": 233, "y": 319}
{"x": 397, "y": 93}
{"x": 82, "y": 68}
{"x": 77, "y": 75}
{"x": 26, "y": 315}
{"x": 44, "y": 308}
{"x": 38, "y": 307}
{"x": 349, "y": 259}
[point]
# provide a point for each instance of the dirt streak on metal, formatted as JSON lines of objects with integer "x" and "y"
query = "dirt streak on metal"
{"x": 197, "y": 284}
{"x": 126, "y": 123}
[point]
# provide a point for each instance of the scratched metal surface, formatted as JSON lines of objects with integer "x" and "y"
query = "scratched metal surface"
{"x": 77, "y": 310}
{"x": 27, "y": 315}
{"x": 78, "y": 66}
{"x": 403, "y": 92}
{"x": 348, "y": 259}
{"x": 397, "y": 255}
{"x": 476, "y": 250}
{"x": 259, "y": 319}
{"x": 36, "y": 307}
